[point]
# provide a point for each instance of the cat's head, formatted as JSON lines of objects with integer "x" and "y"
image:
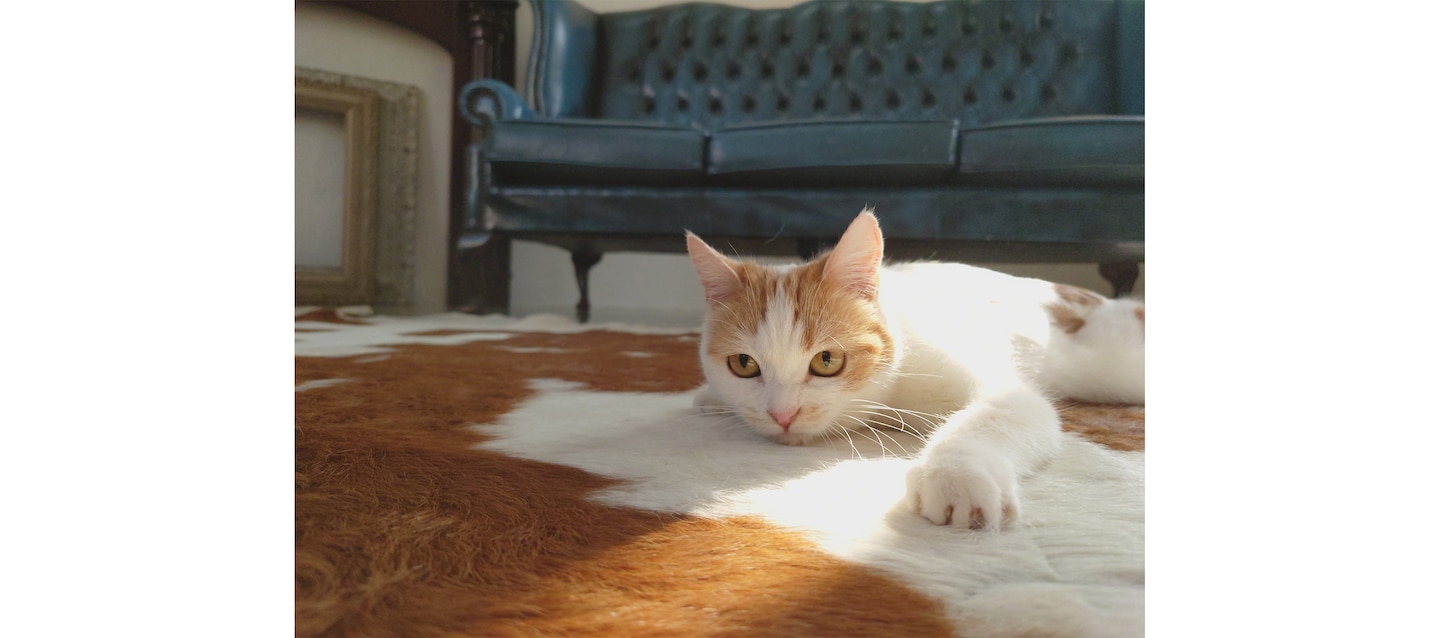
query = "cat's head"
{"x": 791, "y": 348}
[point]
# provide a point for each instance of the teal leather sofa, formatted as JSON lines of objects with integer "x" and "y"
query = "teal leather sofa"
{"x": 981, "y": 131}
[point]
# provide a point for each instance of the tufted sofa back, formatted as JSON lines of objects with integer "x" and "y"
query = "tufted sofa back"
{"x": 975, "y": 61}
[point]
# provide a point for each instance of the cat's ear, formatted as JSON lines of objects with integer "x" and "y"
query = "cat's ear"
{"x": 717, "y": 276}
{"x": 855, "y": 262}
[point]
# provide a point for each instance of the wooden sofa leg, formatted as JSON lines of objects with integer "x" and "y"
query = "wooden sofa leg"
{"x": 584, "y": 260}
{"x": 1121, "y": 275}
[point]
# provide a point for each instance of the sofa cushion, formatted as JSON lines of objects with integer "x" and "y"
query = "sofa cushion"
{"x": 561, "y": 151}
{"x": 1086, "y": 150}
{"x": 834, "y": 153}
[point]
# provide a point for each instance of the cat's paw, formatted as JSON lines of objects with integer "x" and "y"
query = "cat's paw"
{"x": 969, "y": 491}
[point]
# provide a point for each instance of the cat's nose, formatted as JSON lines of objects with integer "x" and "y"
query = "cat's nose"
{"x": 783, "y": 418}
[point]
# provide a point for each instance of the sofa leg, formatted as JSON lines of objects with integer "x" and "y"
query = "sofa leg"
{"x": 1121, "y": 275}
{"x": 584, "y": 260}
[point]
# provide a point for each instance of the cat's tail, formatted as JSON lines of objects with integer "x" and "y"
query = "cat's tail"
{"x": 1096, "y": 350}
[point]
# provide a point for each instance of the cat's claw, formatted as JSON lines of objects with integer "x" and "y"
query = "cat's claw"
{"x": 959, "y": 493}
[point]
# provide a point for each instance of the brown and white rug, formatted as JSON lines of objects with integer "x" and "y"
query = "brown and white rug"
{"x": 469, "y": 476}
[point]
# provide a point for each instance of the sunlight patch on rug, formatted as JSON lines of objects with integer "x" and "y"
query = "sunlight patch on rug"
{"x": 1078, "y": 552}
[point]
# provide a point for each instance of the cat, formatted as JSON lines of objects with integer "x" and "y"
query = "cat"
{"x": 970, "y": 355}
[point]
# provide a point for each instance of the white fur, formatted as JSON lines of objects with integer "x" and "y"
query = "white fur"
{"x": 974, "y": 347}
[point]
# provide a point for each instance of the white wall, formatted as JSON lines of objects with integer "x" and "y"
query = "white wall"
{"x": 343, "y": 41}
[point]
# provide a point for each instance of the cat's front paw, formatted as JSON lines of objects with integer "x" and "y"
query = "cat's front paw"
{"x": 977, "y": 493}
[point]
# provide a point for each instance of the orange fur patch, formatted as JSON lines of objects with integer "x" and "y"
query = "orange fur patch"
{"x": 1071, "y": 306}
{"x": 1120, "y": 427}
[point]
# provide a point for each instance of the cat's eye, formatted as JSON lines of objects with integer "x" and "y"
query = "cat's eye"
{"x": 743, "y": 365}
{"x": 827, "y": 363}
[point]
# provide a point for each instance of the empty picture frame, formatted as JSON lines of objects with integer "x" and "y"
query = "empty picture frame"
{"x": 353, "y": 282}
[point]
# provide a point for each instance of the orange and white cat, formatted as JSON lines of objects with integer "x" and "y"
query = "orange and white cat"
{"x": 968, "y": 356}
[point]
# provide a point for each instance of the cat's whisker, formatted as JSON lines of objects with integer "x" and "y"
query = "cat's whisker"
{"x": 879, "y": 432}
{"x": 892, "y": 439}
{"x": 930, "y": 417}
{"x": 900, "y": 424}
{"x": 931, "y": 420}
{"x": 851, "y": 441}
{"x": 915, "y": 374}
{"x": 883, "y": 450}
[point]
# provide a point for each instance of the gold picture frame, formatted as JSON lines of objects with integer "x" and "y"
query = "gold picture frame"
{"x": 353, "y": 283}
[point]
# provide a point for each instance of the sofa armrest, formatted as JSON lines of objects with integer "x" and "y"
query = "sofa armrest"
{"x": 484, "y": 102}
{"x": 561, "y": 79}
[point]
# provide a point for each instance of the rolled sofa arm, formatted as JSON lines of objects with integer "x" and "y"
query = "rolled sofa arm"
{"x": 483, "y": 102}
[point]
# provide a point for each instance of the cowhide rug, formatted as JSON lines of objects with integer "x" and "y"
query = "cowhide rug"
{"x": 467, "y": 476}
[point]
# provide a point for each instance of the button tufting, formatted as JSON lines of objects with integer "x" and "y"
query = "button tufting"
{"x": 1069, "y": 53}
{"x": 714, "y": 67}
